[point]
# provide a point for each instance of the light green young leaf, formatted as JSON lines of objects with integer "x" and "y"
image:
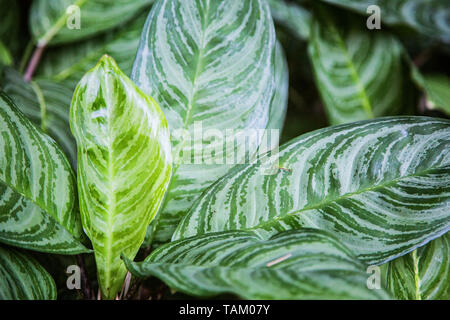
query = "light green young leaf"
{"x": 69, "y": 63}
{"x": 124, "y": 166}
{"x": 299, "y": 264}
{"x": 292, "y": 16}
{"x": 360, "y": 74}
{"x": 55, "y": 22}
{"x": 208, "y": 63}
{"x": 381, "y": 186}
{"x": 47, "y": 104}
{"x": 37, "y": 188}
{"x": 430, "y": 17}
{"x": 423, "y": 274}
{"x": 23, "y": 278}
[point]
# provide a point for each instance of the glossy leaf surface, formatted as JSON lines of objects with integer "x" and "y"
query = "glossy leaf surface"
{"x": 380, "y": 186}
{"x": 305, "y": 264}
{"x": 208, "y": 63}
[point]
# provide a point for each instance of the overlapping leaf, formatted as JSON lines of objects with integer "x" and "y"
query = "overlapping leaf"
{"x": 423, "y": 274}
{"x": 359, "y": 73}
{"x": 305, "y": 264}
{"x": 55, "y": 21}
{"x": 381, "y": 186}
{"x": 124, "y": 166}
{"x": 47, "y": 104}
{"x": 69, "y": 63}
{"x": 37, "y": 188}
{"x": 23, "y": 278}
{"x": 431, "y": 17}
{"x": 208, "y": 63}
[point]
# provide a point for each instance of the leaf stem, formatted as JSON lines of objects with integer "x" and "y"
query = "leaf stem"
{"x": 37, "y": 54}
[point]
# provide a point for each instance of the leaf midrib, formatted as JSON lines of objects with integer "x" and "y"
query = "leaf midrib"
{"x": 354, "y": 74}
{"x": 328, "y": 201}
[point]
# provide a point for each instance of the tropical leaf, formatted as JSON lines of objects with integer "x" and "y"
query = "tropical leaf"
{"x": 37, "y": 188}
{"x": 381, "y": 185}
{"x": 124, "y": 166}
{"x": 69, "y": 63}
{"x": 437, "y": 90}
{"x": 305, "y": 264}
{"x": 50, "y": 20}
{"x": 291, "y": 16}
{"x": 360, "y": 74}
{"x": 423, "y": 274}
{"x": 47, "y": 104}
{"x": 430, "y": 17}
{"x": 208, "y": 64}
{"x": 23, "y": 278}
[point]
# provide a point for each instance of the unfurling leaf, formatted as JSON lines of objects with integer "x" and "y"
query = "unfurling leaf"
{"x": 423, "y": 274}
{"x": 23, "y": 278}
{"x": 381, "y": 186}
{"x": 209, "y": 63}
{"x": 124, "y": 166}
{"x": 297, "y": 264}
{"x": 37, "y": 188}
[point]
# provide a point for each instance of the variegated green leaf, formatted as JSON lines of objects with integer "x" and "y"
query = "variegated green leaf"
{"x": 62, "y": 21}
{"x": 69, "y": 63}
{"x": 210, "y": 63}
{"x": 429, "y": 17}
{"x": 47, "y": 104}
{"x": 423, "y": 274}
{"x": 381, "y": 185}
{"x": 23, "y": 278}
{"x": 292, "y": 16}
{"x": 124, "y": 166}
{"x": 360, "y": 74}
{"x": 299, "y": 264}
{"x": 37, "y": 188}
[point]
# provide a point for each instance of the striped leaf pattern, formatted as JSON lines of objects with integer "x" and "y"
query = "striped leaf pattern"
{"x": 360, "y": 74}
{"x": 37, "y": 188}
{"x": 423, "y": 274}
{"x": 23, "y": 278}
{"x": 208, "y": 62}
{"x": 381, "y": 185}
{"x": 298, "y": 264}
{"x": 51, "y": 21}
{"x": 47, "y": 104}
{"x": 430, "y": 17}
{"x": 124, "y": 166}
{"x": 69, "y": 63}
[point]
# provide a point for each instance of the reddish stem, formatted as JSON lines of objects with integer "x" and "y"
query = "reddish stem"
{"x": 33, "y": 63}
